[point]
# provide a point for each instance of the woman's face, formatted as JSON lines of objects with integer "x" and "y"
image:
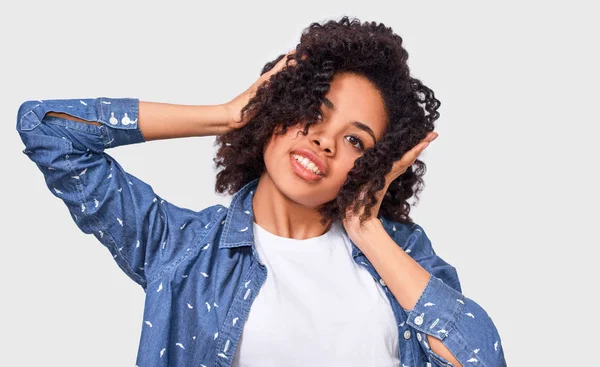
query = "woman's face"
{"x": 352, "y": 120}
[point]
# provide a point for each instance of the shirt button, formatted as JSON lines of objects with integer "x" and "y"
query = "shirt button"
{"x": 419, "y": 336}
{"x": 407, "y": 334}
{"x": 419, "y": 320}
{"x": 382, "y": 282}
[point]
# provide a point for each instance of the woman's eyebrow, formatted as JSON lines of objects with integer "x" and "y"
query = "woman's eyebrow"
{"x": 357, "y": 124}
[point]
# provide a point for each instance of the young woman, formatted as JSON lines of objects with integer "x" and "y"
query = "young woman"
{"x": 316, "y": 260}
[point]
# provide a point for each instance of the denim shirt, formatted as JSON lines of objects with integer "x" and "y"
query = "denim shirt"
{"x": 199, "y": 269}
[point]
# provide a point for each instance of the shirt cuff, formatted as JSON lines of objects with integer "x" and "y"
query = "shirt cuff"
{"x": 119, "y": 117}
{"x": 437, "y": 309}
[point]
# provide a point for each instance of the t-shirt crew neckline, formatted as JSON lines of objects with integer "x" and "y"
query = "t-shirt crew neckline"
{"x": 292, "y": 244}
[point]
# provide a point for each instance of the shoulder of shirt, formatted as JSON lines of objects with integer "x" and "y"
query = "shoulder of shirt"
{"x": 213, "y": 214}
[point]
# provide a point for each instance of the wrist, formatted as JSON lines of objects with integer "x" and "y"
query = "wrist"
{"x": 368, "y": 228}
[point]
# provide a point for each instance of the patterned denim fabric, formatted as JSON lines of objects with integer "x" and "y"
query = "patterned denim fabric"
{"x": 199, "y": 269}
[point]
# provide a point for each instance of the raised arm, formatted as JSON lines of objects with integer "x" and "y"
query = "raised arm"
{"x": 67, "y": 138}
{"x": 165, "y": 120}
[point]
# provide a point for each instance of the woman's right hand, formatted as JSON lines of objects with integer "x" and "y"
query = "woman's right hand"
{"x": 235, "y": 106}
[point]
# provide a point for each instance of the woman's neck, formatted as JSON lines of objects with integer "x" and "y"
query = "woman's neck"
{"x": 278, "y": 214}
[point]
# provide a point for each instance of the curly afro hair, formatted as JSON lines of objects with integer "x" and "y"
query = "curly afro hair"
{"x": 295, "y": 94}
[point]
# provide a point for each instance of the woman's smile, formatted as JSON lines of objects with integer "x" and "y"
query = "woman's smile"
{"x": 302, "y": 171}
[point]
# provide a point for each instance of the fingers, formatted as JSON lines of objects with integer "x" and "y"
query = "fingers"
{"x": 411, "y": 156}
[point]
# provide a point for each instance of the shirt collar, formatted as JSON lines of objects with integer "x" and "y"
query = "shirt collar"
{"x": 238, "y": 227}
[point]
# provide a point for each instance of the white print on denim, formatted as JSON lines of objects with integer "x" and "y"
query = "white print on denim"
{"x": 205, "y": 247}
{"x": 148, "y": 323}
{"x": 179, "y": 345}
{"x": 207, "y": 306}
{"x": 105, "y": 102}
{"x": 190, "y": 306}
{"x": 162, "y": 351}
{"x": 83, "y": 103}
{"x": 472, "y": 360}
{"x": 159, "y": 287}
{"x": 470, "y": 314}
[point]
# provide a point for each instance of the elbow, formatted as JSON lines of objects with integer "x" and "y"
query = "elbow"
{"x": 27, "y": 116}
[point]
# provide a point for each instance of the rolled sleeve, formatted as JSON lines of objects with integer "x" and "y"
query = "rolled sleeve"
{"x": 118, "y": 116}
{"x": 437, "y": 309}
{"x": 444, "y": 312}
{"x": 146, "y": 235}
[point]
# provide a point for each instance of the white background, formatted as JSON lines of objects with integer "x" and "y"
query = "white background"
{"x": 511, "y": 194}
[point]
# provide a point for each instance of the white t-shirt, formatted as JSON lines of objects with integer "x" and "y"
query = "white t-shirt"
{"x": 317, "y": 307}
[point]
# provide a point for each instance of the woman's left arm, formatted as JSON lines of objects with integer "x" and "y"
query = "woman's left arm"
{"x": 458, "y": 331}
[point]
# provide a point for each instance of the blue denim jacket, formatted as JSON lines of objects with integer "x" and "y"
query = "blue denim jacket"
{"x": 199, "y": 269}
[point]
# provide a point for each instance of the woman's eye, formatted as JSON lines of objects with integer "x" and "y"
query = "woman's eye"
{"x": 360, "y": 146}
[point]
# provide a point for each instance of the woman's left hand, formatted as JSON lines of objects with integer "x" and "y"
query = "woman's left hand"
{"x": 351, "y": 223}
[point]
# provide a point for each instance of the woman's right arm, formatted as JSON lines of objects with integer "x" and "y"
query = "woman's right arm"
{"x": 67, "y": 139}
{"x": 166, "y": 121}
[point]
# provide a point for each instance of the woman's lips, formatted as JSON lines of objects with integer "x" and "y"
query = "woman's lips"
{"x": 303, "y": 172}
{"x": 313, "y": 157}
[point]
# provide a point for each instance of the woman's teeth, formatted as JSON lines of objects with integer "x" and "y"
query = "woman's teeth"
{"x": 307, "y": 164}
